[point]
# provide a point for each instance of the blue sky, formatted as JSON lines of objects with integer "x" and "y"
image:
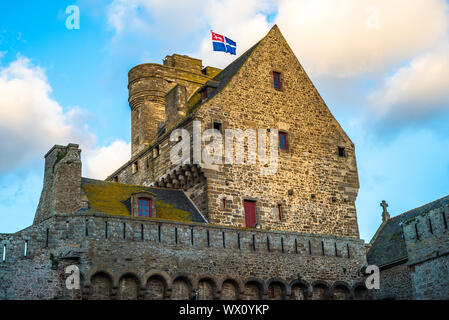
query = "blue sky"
{"x": 385, "y": 83}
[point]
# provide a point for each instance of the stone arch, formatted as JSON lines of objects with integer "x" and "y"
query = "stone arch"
{"x": 230, "y": 289}
{"x": 341, "y": 291}
{"x": 277, "y": 289}
{"x": 299, "y": 290}
{"x": 101, "y": 284}
{"x": 129, "y": 286}
{"x": 95, "y": 270}
{"x": 156, "y": 287}
{"x": 320, "y": 290}
{"x": 181, "y": 288}
{"x": 361, "y": 292}
{"x": 164, "y": 275}
{"x": 254, "y": 289}
{"x": 207, "y": 288}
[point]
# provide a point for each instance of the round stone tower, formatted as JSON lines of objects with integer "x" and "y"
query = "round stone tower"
{"x": 147, "y": 90}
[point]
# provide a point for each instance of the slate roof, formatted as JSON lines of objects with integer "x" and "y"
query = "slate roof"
{"x": 389, "y": 245}
{"x": 113, "y": 198}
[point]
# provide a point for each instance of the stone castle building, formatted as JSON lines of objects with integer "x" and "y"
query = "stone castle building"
{"x": 412, "y": 252}
{"x": 155, "y": 229}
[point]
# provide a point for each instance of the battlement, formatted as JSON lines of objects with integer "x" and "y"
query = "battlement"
{"x": 175, "y": 250}
{"x": 427, "y": 235}
{"x": 183, "y": 62}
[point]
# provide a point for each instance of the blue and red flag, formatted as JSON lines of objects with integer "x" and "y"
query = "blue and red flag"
{"x": 221, "y": 43}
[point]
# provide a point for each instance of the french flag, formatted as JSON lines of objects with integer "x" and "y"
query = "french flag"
{"x": 221, "y": 43}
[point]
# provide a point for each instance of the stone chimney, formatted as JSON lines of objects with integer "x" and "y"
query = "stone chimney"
{"x": 61, "y": 192}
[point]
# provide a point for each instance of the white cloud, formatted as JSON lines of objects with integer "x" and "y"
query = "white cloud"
{"x": 243, "y": 21}
{"x": 31, "y": 122}
{"x": 103, "y": 161}
{"x": 420, "y": 88}
{"x": 331, "y": 37}
{"x": 167, "y": 18}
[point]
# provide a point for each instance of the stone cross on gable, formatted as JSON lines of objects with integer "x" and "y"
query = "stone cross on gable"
{"x": 385, "y": 214}
{"x": 384, "y": 205}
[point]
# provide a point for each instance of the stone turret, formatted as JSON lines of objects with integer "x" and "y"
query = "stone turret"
{"x": 148, "y": 86}
{"x": 61, "y": 192}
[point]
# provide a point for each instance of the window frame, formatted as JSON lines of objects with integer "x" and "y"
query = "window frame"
{"x": 203, "y": 94}
{"x": 135, "y": 200}
{"x": 285, "y": 135}
{"x": 277, "y": 81}
{"x": 144, "y": 205}
{"x": 280, "y": 212}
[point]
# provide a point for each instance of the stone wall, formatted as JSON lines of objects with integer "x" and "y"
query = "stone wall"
{"x": 172, "y": 260}
{"x": 427, "y": 239}
{"x": 316, "y": 186}
{"x": 395, "y": 284}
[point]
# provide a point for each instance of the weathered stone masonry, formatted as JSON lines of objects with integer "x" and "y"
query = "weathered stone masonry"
{"x": 168, "y": 252}
{"x": 192, "y": 242}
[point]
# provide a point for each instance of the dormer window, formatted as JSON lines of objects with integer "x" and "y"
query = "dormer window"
{"x": 144, "y": 207}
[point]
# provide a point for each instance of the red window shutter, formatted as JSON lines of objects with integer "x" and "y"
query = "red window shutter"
{"x": 250, "y": 213}
{"x": 280, "y": 211}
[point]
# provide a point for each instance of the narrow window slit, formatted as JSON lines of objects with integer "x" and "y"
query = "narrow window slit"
{"x": 224, "y": 239}
{"x": 124, "y": 230}
{"x": 25, "y": 253}
{"x": 336, "y": 251}
{"x": 141, "y": 232}
{"x": 208, "y": 238}
{"x": 430, "y": 226}
{"x": 416, "y": 232}
{"x": 444, "y": 219}
{"x": 282, "y": 244}
{"x": 67, "y": 228}
{"x": 176, "y": 235}
{"x": 238, "y": 240}
{"x": 159, "y": 233}
{"x": 46, "y": 238}
{"x": 268, "y": 243}
{"x": 191, "y": 236}
{"x": 349, "y": 253}
{"x": 106, "y": 229}
{"x": 86, "y": 230}
{"x": 322, "y": 247}
{"x": 296, "y": 245}
{"x": 310, "y": 248}
{"x": 254, "y": 242}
